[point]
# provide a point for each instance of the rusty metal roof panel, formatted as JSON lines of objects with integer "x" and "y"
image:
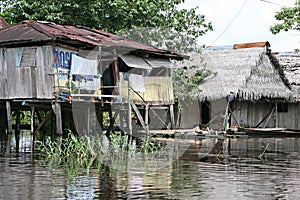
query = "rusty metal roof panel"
{"x": 21, "y": 33}
{"x": 38, "y": 31}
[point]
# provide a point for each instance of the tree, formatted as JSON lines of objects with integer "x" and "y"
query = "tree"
{"x": 186, "y": 82}
{"x": 289, "y": 18}
{"x": 110, "y": 15}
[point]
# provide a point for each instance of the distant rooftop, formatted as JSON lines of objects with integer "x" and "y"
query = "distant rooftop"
{"x": 239, "y": 46}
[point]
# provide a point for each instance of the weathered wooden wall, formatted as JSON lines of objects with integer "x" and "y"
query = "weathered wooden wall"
{"x": 25, "y": 73}
{"x": 248, "y": 114}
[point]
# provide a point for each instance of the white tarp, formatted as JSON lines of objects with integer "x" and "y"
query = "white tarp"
{"x": 85, "y": 70}
{"x": 83, "y": 66}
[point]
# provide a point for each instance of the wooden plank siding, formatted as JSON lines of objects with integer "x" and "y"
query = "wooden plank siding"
{"x": 25, "y": 73}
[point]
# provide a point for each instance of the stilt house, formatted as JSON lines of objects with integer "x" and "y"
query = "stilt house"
{"x": 79, "y": 73}
{"x": 252, "y": 75}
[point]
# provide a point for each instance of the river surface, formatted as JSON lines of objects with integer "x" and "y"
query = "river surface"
{"x": 205, "y": 168}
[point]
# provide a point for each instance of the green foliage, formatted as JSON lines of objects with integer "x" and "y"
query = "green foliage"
{"x": 186, "y": 81}
{"x": 289, "y": 19}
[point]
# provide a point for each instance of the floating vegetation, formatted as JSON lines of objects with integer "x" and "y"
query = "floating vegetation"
{"x": 262, "y": 154}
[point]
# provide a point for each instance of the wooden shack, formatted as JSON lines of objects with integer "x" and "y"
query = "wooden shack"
{"x": 252, "y": 74}
{"x": 78, "y": 74}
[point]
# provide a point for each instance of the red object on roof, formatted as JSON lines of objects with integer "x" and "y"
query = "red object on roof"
{"x": 31, "y": 31}
{"x": 251, "y": 45}
{"x": 3, "y": 23}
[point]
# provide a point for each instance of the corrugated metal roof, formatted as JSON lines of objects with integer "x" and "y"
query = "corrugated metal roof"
{"x": 30, "y": 31}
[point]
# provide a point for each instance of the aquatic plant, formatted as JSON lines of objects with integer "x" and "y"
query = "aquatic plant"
{"x": 262, "y": 154}
{"x": 84, "y": 151}
{"x": 73, "y": 150}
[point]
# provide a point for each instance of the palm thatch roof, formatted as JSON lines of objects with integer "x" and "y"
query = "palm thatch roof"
{"x": 290, "y": 63}
{"x": 247, "y": 72}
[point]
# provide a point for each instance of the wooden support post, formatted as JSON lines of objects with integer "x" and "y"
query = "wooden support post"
{"x": 8, "y": 114}
{"x": 89, "y": 120}
{"x": 121, "y": 117}
{"x": 112, "y": 119}
{"x": 147, "y": 118}
{"x": 58, "y": 119}
{"x": 9, "y": 127}
{"x": 42, "y": 123}
{"x": 137, "y": 112}
{"x": 99, "y": 114}
{"x": 17, "y": 130}
{"x": 172, "y": 116}
{"x": 32, "y": 124}
{"x": 129, "y": 123}
{"x": 276, "y": 114}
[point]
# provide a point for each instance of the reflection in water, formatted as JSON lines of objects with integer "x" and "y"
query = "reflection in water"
{"x": 207, "y": 169}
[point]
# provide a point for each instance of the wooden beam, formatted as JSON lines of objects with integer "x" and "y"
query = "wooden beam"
{"x": 172, "y": 116}
{"x": 8, "y": 115}
{"x": 112, "y": 120}
{"x": 32, "y": 123}
{"x": 137, "y": 112}
{"x": 147, "y": 118}
{"x": 58, "y": 118}
{"x": 9, "y": 127}
{"x": 42, "y": 123}
{"x": 17, "y": 130}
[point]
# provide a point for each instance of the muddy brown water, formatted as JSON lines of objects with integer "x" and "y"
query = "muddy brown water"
{"x": 209, "y": 168}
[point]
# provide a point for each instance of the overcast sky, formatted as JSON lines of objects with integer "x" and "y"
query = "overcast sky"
{"x": 242, "y": 21}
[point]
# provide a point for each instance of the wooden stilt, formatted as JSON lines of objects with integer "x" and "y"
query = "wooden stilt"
{"x": 129, "y": 123}
{"x": 276, "y": 114}
{"x": 121, "y": 116}
{"x": 17, "y": 130}
{"x": 147, "y": 118}
{"x": 137, "y": 112}
{"x": 42, "y": 123}
{"x": 112, "y": 121}
{"x": 8, "y": 114}
{"x": 32, "y": 120}
{"x": 89, "y": 120}
{"x": 58, "y": 119}
{"x": 32, "y": 124}
{"x": 99, "y": 115}
{"x": 9, "y": 127}
{"x": 172, "y": 116}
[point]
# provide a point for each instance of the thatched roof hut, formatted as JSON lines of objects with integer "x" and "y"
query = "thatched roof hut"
{"x": 249, "y": 72}
{"x": 290, "y": 63}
